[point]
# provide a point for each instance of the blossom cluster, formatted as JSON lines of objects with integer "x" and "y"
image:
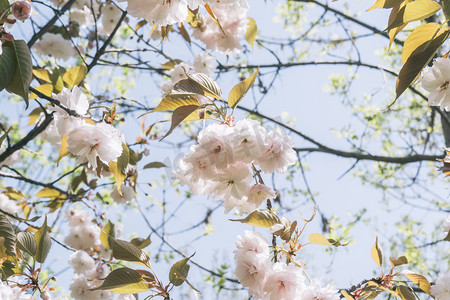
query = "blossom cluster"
{"x": 219, "y": 165}
{"x": 12, "y": 293}
{"x": 59, "y": 46}
{"x": 277, "y": 281}
{"x": 89, "y": 273}
{"x": 232, "y": 15}
{"x": 88, "y": 142}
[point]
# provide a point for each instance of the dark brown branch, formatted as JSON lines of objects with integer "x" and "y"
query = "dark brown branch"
{"x": 50, "y": 23}
{"x": 30, "y": 136}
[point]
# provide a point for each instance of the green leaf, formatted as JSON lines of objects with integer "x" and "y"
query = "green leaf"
{"x": 140, "y": 242}
{"x": 402, "y": 260}
{"x": 252, "y": 31}
{"x": 386, "y": 4}
{"x": 179, "y": 271}
{"x": 155, "y": 165}
{"x": 21, "y": 79}
{"x": 8, "y": 233}
{"x": 26, "y": 242}
{"x": 405, "y": 292}
{"x": 74, "y": 76}
{"x": 377, "y": 253}
{"x": 7, "y": 66}
{"x": 4, "y": 4}
{"x": 239, "y": 90}
{"x": 260, "y": 218}
{"x": 419, "y": 280}
{"x": 124, "y": 280}
{"x": 179, "y": 115}
{"x": 43, "y": 242}
{"x": 414, "y": 11}
{"x": 416, "y": 62}
{"x": 124, "y": 250}
{"x": 107, "y": 234}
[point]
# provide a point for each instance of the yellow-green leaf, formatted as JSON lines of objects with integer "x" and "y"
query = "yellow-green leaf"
{"x": 172, "y": 103}
{"x": 402, "y": 260}
{"x": 386, "y": 4}
{"x": 419, "y": 39}
{"x": 239, "y": 90}
{"x": 184, "y": 32}
{"x": 419, "y": 280}
{"x": 416, "y": 62}
{"x": 318, "y": 239}
{"x": 405, "y": 292}
{"x": 8, "y": 234}
{"x": 49, "y": 193}
{"x": 42, "y": 74}
{"x": 260, "y": 218}
{"x": 394, "y": 31}
{"x": 124, "y": 250}
{"x": 118, "y": 175}
{"x": 124, "y": 280}
{"x": 377, "y": 253}
{"x": 213, "y": 17}
{"x": 372, "y": 283}
{"x": 45, "y": 89}
{"x": 34, "y": 115}
{"x": 74, "y": 76}
{"x": 43, "y": 242}
{"x": 64, "y": 151}
{"x": 179, "y": 272}
{"x": 155, "y": 165}
{"x": 107, "y": 233}
{"x": 26, "y": 242}
{"x": 140, "y": 242}
{"x": 252, "y": 31}
{"x": 414, "y": 11}
{"x": 179, "y": 115}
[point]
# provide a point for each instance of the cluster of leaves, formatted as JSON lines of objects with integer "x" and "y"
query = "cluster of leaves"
{"x": 20, "y": 250}
{"x": 128, "y": 280}
{"x": 422, "y": 43}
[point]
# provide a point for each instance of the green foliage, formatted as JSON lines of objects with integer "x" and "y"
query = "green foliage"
{"x": 20, "y": 81}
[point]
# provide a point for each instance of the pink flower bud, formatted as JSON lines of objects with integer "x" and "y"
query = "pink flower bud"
{"x": 21, "y": 9}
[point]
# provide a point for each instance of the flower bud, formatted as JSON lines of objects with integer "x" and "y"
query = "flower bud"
{"x": 21, "y": 9}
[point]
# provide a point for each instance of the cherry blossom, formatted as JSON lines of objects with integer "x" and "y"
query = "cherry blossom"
{"x": 436, "y": 80}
